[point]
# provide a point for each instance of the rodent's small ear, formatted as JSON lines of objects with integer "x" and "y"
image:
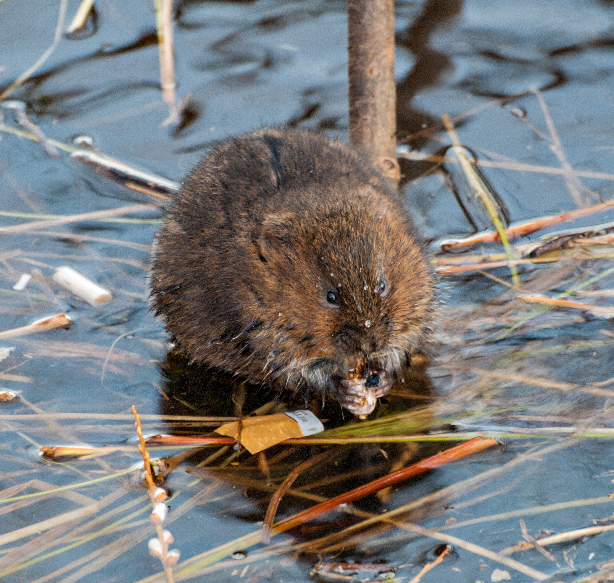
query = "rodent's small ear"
{"x": 274, "y": 240}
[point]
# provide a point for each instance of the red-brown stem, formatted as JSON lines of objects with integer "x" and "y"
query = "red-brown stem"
{"x": 454, "y": 453}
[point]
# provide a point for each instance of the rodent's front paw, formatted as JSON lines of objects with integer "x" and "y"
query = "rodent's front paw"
{"x": 379, "y": 382}
{"x": 354, "y": 396}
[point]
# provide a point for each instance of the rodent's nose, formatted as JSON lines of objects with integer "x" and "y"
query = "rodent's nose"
{"x": 355, "y": 341}
{"x": 373, "y": 380}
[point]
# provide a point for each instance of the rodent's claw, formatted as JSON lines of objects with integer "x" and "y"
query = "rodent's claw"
{"x": 385, "y": 382}
{"x": 356, "y": 397}
{"x": 359, "y": 396}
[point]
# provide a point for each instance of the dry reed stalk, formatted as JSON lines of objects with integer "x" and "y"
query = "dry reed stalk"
{"x": 574, "y": 186}
{"x": 283, "y": 488}
{"x": 429, "y": 566}
{"x": 80, "y": 17}
{"x": 164, "y": 25}
{"x": 71, "y": 219}
{"x": 157, "y": 547}
{"x": 534, "y": 543}
{"x": 19, "y": 109}
{"x": 476, "y": 549}
{"x": 42, "y": 325}
{"x": 596, "y": 310}
{"x": 501, "y": 164}
{"x": 527, "y": 227}
{"x": 561, "y": 537}
{"x": 82, "y": 237}
{"x": 481, "y": 266}
{"x": 482, "y": 192}
{"x": 39, "y": 527}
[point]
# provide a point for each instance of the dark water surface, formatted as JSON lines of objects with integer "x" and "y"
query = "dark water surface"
{"x": 526, "y": 82}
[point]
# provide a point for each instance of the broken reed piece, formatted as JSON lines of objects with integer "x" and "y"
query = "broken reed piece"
{"x": 42, "y": 325}
{"x": 59, "y": 451}
{"x": 81, "y": 286}
{"x": 526, "y": 227}
{"x": 8, "y": 396}
{"x": 80, "y": 17}
{"x": 146, "y": 182}
{"x": 164, "y": 25}
{"x": 599, "y": 311}
{"x": 23, "y": 281}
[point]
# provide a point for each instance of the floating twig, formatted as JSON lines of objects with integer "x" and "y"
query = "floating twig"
{"x": 42, "y": 325}
{"x": 71, "y": 219}
{"x": 527, "y": 227}
{"x": 139, "y": 180}
{"x": 446, "y": 551}
{"x": 80, "y": 17}
{"x": 554, "y": 302}
{"x": 561, "y": 537}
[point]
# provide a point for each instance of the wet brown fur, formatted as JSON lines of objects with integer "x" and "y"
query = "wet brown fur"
{"x": 264, "y": 228}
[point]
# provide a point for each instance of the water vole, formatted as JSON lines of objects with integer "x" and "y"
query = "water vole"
{"x": 287, "y": 260}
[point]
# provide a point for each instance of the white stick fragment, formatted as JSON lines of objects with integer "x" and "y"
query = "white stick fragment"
{"x": 82, "y": 287}
{"x": 22, "y": 282}
{"x": 41, "y": 325}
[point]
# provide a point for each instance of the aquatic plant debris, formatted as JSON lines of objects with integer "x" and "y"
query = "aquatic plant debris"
{"x": 264, "y": 431}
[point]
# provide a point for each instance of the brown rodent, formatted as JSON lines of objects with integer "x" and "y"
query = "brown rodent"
{"x": 286, "y": 259}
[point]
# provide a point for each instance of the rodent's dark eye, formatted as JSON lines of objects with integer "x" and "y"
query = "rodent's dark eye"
{"x": 332, "y": 298}
{"x": 381, "y": 287}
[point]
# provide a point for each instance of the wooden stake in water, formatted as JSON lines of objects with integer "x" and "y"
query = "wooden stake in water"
{"x": 372, "y": 88}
